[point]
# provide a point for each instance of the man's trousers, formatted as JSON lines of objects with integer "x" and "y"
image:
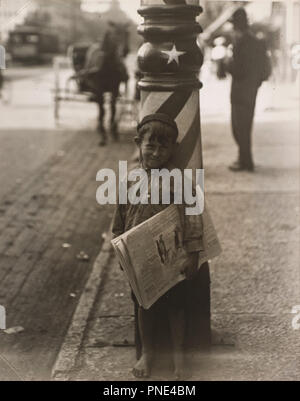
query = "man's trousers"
{"x": 243, "y": 98}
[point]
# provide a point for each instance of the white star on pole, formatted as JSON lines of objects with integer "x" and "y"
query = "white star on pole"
{"x": 173, "y": 54}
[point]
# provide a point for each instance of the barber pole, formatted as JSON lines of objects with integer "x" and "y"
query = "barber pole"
{"x": 170, "y": 61}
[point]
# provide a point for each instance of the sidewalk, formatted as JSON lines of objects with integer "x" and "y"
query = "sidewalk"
{"x": 255, "y": 282}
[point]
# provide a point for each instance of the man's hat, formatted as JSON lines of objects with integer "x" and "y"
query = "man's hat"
{"x": 239, "y": 18}
{"x": 163, "y": 118}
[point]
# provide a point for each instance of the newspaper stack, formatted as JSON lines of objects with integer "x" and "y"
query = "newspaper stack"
{"x": 152, "y": 254}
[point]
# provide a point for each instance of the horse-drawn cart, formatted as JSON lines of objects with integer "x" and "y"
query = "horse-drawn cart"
{"x": 66, "y": 85}
{"x": 96, "y": 72}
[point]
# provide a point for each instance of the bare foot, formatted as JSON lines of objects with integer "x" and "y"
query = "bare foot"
{"x": 181, "y": 371}
{"x": 184, "y": 373}
{"x": 181, "y": 374}
{"x": 102, "y": 142}
{"x": 143, "y": 367}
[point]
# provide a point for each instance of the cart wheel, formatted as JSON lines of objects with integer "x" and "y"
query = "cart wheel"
{"x": 6, "y": 92}
{"x": 56, "y": 108}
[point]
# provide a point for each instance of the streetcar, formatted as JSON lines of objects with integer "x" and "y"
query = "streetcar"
{"x": 32, "y": 44}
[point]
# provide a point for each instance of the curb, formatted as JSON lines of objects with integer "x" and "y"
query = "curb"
{"x": 68, "y": 354}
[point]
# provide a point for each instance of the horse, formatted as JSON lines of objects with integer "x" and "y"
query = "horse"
{"x": 104, "y": 71}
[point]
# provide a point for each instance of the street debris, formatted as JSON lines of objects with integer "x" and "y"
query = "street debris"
{"x": 14, "y": 330}
{"x": 83, "y": 256}
{"x": 124, "y": 343}
{"x": 119, "y": 295}
{"x": 73, "y": 295}
{"x": 61, "y": 153}
{"x": 105, "y": 343}
{"x": 66, "y": 245}
{"x": 100, "y": 344}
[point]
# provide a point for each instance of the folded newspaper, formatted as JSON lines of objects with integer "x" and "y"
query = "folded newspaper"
{"x": 152, "y": 253}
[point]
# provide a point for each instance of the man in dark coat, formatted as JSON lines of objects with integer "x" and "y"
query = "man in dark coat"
{"x": 248, "y": 69}
{"x": 1, "y": 81}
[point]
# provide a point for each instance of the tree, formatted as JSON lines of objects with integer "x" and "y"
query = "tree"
{"x": 38, "y": 18}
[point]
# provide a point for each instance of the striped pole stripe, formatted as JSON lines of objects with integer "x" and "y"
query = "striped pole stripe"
{"x": 151, "y": 101}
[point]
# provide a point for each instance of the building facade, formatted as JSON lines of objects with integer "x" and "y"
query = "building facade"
{"x": 13, "y": 13}
{"x": 63, "y": 16}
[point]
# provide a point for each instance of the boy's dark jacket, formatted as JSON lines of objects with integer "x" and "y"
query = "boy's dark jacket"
{"x": 128, "y": 216}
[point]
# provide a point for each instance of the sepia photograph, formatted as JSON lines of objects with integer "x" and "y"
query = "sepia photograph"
{"x": 149, "y": 193}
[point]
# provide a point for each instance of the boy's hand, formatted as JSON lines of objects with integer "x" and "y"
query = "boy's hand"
{"x": 190, "y": 266}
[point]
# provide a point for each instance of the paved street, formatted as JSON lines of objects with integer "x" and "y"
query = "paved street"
{"x": 28, "y": 132}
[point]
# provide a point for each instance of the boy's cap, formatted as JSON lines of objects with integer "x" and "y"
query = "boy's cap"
{"x": 163, "y": 118}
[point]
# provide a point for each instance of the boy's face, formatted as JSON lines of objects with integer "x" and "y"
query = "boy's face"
{"x": 156, "y": 150}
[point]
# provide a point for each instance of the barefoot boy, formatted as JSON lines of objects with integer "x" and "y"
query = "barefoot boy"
{"x": 157, "y": 141}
